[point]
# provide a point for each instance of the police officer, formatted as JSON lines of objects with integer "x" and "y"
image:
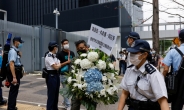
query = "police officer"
{"x": 174, "y": 58}
{"x": 131, "y": 38}
{"x": 143, "y": 85}
{"x": 52, "y": 65}
{"x": 15, "y": 72}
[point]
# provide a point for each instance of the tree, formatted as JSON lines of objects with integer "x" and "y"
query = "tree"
{"x": 155, "y": 21}
{"x": 155, "y": 26}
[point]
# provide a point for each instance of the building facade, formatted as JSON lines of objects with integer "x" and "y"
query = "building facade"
{"x": 76, "y": 16}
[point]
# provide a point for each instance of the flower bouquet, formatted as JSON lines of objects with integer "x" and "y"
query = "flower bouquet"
{"x": 92, "y": 79}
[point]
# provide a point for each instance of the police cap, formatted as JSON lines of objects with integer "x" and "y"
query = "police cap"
{"x": 133, "y": 35}
{"x": 53, "y": 44}
{"x": 140, "y": 45}
{"x": 181, "y": 34}
{"x": 18, "y": 39}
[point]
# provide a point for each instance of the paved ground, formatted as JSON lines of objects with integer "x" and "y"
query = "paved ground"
{"x": 32, "y": 95}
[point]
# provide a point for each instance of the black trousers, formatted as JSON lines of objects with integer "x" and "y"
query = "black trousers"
{"x": 14, "y": 89}
{"x": 53, "y": 85}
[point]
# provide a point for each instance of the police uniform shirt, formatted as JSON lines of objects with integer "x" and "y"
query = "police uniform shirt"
{"x": 150, "y": 86}
{"x": 12, "y": 56}
{"x": 51, "y": 59}
{"x": 174, "y": 58}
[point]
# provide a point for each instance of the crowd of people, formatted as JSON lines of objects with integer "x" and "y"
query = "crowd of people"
{"x": 143, "y": 85}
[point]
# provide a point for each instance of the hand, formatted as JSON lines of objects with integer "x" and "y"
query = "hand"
{"x": 14, "y": 82}
{"x": 68, "y": 61}
{"x": 20, "y": 53}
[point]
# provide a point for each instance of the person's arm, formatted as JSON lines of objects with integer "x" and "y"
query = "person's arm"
{"x": 122, "y": 100}
{"x": 163, "y": 103}
{"x": 12, "y": 68}
{"x": 56, "y": 66}
{"x": 166, "y": 70}
{"x": 168, "y": 60}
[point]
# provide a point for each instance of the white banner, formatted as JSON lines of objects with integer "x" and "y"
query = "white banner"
{"x": 102, "y": 39}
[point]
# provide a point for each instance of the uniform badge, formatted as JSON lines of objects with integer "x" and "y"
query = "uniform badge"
{"x": 149, "y": 69}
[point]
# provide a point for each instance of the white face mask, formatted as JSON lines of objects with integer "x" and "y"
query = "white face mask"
{"x": 57, "y": 51}
{"x": 134, "y": 59}
{"x": 66, "y": 46}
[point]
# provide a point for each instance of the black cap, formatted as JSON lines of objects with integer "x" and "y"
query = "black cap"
{"x": 53, "y": 44}
{"x": 181, "y": 34}
{"x": 133, "y": 35}
{"x": 140, "y": 45}
{"x": 18, "y": 39}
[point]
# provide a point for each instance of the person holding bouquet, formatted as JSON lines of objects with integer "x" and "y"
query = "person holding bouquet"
{"x": 143, "y": 85}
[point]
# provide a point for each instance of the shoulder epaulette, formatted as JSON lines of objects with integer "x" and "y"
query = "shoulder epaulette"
{"x": 50, "y": 55}
{"x": 149, "y": 68}
{"x": 130, "y": 66}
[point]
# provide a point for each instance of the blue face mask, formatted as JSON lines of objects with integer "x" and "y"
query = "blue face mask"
{"x": 20, "y": 45}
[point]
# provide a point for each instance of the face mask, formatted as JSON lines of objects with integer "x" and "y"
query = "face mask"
{"x": 20, "y": 45}
{"x": 57, "y": 51}
{"x": 153, "y": 52}
{"x": 66, "y": 47}
{"x": 134, "y": 59}
{"x": 127, "y": 43}
{"x": 81, "y": 51}
{"x": 1, "y": 48}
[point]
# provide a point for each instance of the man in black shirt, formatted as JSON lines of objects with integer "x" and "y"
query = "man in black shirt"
{"x": 65, "y": 56}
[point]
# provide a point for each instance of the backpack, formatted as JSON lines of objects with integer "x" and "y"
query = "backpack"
{"x": 6, "y": 50}
{"x": 175, "y": 81}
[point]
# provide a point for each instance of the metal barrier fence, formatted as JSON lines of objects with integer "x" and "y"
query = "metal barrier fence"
{"x": 36, "y": 41}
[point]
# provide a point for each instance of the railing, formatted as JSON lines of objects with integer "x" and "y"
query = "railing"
{"x": 162, "y": 26}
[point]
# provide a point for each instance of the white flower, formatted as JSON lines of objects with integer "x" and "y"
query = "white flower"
{"x": 110, "y": 76}
{"x": 83, "y": 55}
{"x": 73, "y": 71}
{"x": 75, "y": 85}
{"x": 69, "y": 80}
{"x": 85, "y": 64}
{"x": 102, "y": 92}
{"x": 93, "y": 56}
{"x": 101, "y": 65}
{"x": 73, "y": 67}
{"x": 79, "y": 86}
{"x": 109, "y": 82}
{"x": 115, "y": 89}
{"x": 110, "y": 91}
{"x": 111, "y": 65}
{"x": 104, "y": 78}
{"x": 77, "y": 61}
{"x": 84, "y": 85}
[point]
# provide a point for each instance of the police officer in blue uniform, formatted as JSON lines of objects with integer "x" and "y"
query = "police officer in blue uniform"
{"x": 174, "y": 58}
{"x": 143, "y": 85}
{"x": 52, "y": 65}
{"x": 15, "y": 72}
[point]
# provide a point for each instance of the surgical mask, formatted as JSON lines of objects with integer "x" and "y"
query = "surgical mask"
{"x": 56, "y": 50}
{"x": 20, "y": 45}
{"x": 153, "y": 52}
{"x": 134, "y": 59}
{"x": 66, "y": 46}
{"x": 127, "y": 43}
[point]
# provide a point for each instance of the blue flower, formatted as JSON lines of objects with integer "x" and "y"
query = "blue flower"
{"x": 94, "y": 87}
{"x": 92, "y": 75}
{"x": 93, "y": 79}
